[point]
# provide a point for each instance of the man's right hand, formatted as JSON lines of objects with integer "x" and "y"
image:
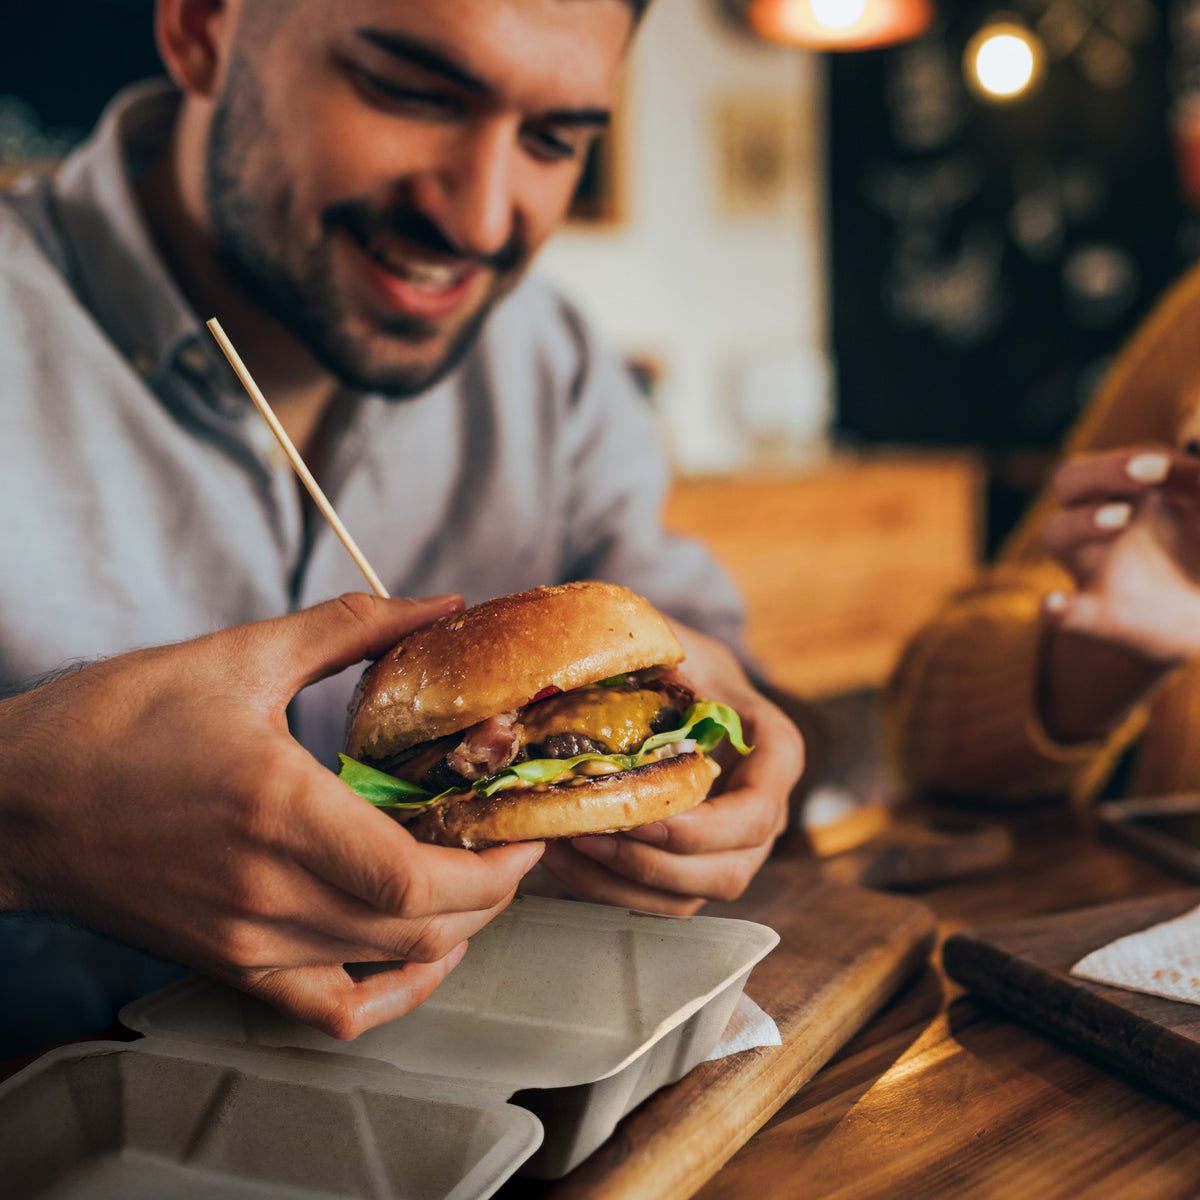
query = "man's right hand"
{"x": 159, "y": 797}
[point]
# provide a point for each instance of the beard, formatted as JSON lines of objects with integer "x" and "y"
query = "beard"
{"x": 300, "y": 289}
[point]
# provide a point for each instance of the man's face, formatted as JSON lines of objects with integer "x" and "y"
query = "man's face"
{"x": 380, "y": 172}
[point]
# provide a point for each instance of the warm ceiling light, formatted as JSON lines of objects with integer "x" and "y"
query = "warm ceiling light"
{"x": 838, "y": 14}
{"x": 839, "y": 24}
{"x": 1003, "y": 61}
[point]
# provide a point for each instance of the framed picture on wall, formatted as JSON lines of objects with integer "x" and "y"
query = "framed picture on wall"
{"x": 601, "y": 198}
{"x": 758, "y": 146}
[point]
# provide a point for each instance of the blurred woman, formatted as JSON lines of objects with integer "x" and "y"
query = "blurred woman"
{"x": 1082, "y": 641}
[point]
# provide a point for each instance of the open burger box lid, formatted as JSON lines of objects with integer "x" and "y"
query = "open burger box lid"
{"x": 562, "y": 1017}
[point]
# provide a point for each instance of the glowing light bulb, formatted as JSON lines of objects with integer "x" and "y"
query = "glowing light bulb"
{"x": 838, "y": 14}
{"x": 838, "y": 24}
{"x": 1003, "y": 62}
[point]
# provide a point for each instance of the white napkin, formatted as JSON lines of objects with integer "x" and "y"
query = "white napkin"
{"x": 748, "y": 1027}
{"x": 1163, "y": 960}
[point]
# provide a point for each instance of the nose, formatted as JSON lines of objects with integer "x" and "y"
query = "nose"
{"x": 471, "y": 194}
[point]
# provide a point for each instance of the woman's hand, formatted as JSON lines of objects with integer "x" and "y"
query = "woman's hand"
{"x": 1128, "y": 532}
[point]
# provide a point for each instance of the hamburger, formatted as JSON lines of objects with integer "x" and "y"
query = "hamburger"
{"x": 550, "y": 713}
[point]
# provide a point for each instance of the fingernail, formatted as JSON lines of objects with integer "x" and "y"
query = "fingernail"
{"x": 655, "y": 833}
{"x": 1056, "y": 602}
{"x": 602, "y": 849}
{"x": 1112, "y": 516}
{"x": 445, "y": 599}
{"x": 1148, "y": 468}
{"x": 535, "y": 853}
{"x": 456, "y": 955}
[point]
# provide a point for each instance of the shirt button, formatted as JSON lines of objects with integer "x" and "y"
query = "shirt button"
{"x": 194, "y": 359}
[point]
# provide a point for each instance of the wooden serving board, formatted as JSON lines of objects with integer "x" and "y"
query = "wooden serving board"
{"x": 842, "y": 954}
{"x": 1023, "y": 968}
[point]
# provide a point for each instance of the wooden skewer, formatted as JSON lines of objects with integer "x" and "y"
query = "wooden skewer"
{"x": 306, "y": 477}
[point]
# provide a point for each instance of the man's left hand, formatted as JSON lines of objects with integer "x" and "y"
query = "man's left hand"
{"x": 712, "y": 851}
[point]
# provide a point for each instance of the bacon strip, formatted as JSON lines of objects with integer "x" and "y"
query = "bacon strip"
{"x": 487, "y": 747}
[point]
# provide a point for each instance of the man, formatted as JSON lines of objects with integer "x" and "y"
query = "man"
{"x": 355, "y": 190}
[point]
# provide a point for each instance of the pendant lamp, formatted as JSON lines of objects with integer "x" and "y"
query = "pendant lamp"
{"x": 838, "y": 24}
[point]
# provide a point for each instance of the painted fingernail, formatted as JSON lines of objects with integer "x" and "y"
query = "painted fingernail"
{"x": 1112, "y": 516}
{"x": 1148, "y": 468}
{"x": 1056, "y": 603}
{"x": 655, "y": 833}
{"x": 602, "y": 849}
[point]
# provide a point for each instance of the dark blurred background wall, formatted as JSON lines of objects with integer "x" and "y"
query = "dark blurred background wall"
{"x": 64, "y": 59}
{"x": 987, "y": 258}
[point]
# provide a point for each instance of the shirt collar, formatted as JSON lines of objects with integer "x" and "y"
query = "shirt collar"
{"x": 124, "y": 281}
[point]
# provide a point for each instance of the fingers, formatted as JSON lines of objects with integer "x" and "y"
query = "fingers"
{"x": 1065, "y": 531}
{"x": 319, "y": 641}
{"x": 329, "y": 927}
{"x": 745, "y": 816}
{"x": 332, "y": 1001}
{"x": 1155, "y": 622}
{"x": 710, "y": 852}
{"x": 1124, "y": 474}
{"x": 371, "y": 857}
{"x": 1078, "y": 612}
{"x": 588, "y": 879}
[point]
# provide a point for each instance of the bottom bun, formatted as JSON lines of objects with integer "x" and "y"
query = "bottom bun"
{"x": 602, "y": 804}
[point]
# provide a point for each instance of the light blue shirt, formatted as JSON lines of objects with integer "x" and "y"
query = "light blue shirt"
{"x": 143, "y": 499}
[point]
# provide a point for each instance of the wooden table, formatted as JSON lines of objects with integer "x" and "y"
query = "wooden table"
{"x": 941, "y": 1097}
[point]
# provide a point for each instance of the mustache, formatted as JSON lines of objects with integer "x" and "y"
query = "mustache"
{"x": 362, "y": 221}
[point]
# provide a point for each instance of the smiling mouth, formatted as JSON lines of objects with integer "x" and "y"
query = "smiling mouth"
{"x": 424, "y": 274}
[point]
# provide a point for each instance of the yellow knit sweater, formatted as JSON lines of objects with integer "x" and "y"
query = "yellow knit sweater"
{"x": 960, "y": 712}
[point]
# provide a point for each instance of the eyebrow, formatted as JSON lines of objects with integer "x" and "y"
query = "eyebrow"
{"x": 422, "y": 54}
{"x": 429, "y": 58}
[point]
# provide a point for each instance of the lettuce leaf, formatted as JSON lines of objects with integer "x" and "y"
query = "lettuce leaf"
{"x": 380, "y": 788}
{"x": 706, "y": 723}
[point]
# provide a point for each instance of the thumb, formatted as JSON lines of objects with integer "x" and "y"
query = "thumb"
{"x": 327, "y": 638}
{"x": 1074, "y": 612}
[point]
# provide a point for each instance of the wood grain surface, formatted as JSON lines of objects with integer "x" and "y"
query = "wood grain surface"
{"x": 942, "y": 1096}
{"x": 843, "y": 953}
{"x": 892, "y": 532}
{"x": 1024, "y": 968}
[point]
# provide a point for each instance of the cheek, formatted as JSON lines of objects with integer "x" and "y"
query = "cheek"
{"x": 334, "y": 146}
{"x": 543, "y": 199}
{"x": 337, "y": 156}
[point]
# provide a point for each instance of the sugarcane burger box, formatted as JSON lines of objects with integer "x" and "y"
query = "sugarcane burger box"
{"x": 560, "y": 1019}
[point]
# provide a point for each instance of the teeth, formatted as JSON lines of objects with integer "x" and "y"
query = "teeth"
{"x": 428, "y": 275}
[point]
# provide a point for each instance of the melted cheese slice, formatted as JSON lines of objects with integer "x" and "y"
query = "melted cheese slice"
{"x": 618, "y": 719}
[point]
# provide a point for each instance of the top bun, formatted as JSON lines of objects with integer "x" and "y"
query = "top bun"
{"x": 496, "y": 656}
